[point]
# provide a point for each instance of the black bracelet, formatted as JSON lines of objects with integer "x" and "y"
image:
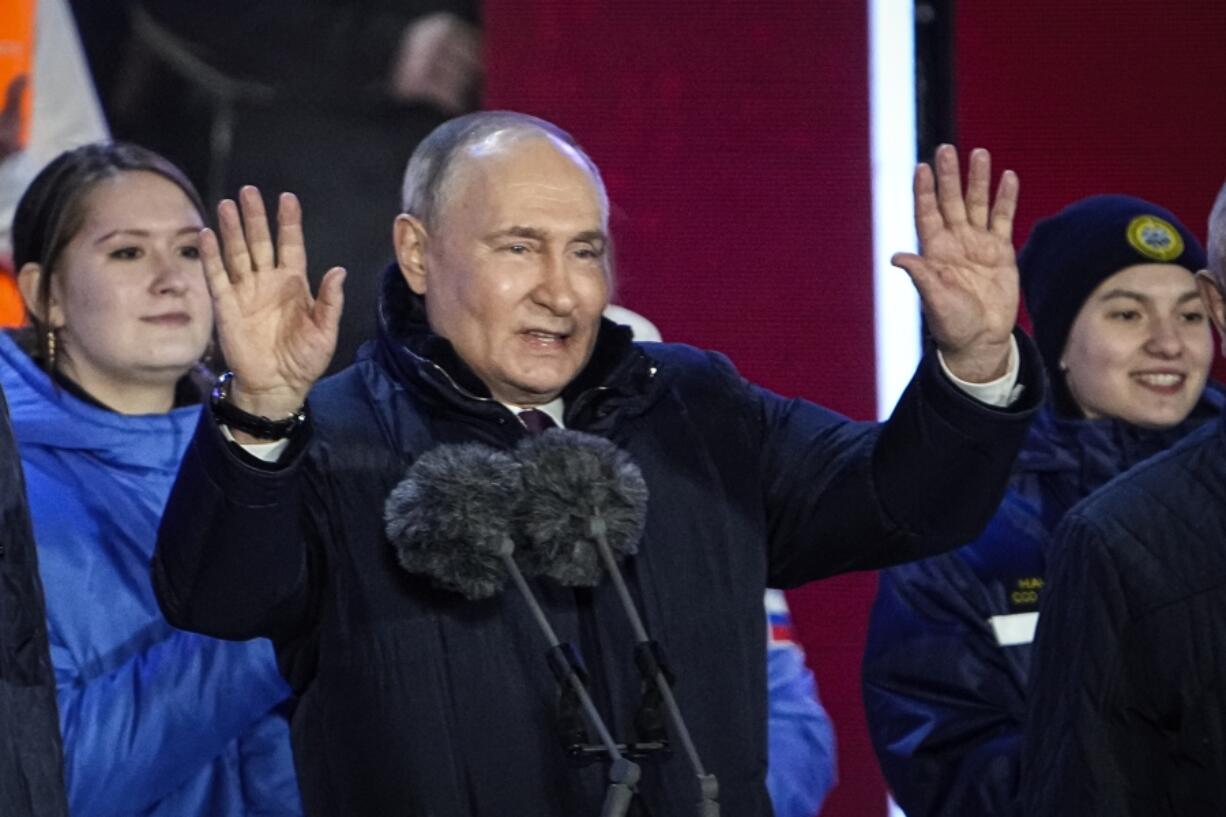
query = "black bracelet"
{"x": 238, "y": 420}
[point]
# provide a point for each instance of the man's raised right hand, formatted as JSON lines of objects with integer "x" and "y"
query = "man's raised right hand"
{"x": 276, "y": 338}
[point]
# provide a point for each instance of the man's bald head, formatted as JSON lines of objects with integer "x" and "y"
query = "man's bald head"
{"x": 427, "y": 180}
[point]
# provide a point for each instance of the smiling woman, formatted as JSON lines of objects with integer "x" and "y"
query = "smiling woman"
{"x": 102, "y": 398}
{"x": 1110, "y": 286}
{"x": 1139, "y": 348}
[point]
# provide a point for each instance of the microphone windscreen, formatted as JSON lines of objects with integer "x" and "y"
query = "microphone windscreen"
{"x": 449, "y": 518}
{"x": 569, "y": 479}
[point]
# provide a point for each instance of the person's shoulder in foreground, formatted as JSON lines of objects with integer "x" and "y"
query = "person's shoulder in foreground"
{"x": 31, "y": 767}
{"x": 1127, "y": 713}
{"x": 1158, "y": 523}
{"x": 1128, "y": 710}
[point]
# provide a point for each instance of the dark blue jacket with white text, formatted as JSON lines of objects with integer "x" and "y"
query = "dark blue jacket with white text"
{"x": 949, "y": 643}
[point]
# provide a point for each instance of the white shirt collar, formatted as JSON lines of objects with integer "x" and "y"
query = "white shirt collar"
{"x": 555, "y": 408}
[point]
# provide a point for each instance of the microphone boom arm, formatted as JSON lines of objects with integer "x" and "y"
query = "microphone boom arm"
{"x": 623, "y": 772}
{"x": 708, "y": 805}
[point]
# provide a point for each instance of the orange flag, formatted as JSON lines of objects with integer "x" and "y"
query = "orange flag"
{"x": 16, "y": 101}
{"x": 16, "y": 58}
{"x": 12, "y": 309}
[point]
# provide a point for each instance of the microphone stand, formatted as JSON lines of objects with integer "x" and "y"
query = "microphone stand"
{"x": 623, "y": 772}
{"x": 648, "y": 655}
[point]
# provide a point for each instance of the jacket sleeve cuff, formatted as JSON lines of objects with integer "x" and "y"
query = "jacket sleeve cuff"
{"x": 1000, "y": 392}
{"x": 227, "y": 462}
{"x": 961, "y": 447}
{"x": 953, "y": 398}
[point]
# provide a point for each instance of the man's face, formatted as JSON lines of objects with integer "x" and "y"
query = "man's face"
{"x": 515, "y": 271}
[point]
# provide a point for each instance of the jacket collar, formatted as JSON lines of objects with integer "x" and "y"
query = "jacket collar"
{"x": 1057, "y": 442}
{"x": 619, "y": 374}
{"x": 48, "y": 416}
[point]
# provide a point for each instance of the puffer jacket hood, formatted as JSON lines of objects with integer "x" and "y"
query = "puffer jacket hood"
{"x": 1055, "y": 439}
{"x": 41, "y": 416}
{"x": 1071, "y": 457}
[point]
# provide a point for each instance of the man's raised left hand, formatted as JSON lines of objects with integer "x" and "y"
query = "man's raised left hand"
{"x": 966, "y": 272}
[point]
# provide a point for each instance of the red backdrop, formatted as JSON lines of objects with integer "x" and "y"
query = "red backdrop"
{"x": 734, "y": 140}
{"x": 1092, "y": 97}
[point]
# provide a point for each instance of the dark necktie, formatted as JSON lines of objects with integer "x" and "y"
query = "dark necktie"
{"x": 536, "y": 421}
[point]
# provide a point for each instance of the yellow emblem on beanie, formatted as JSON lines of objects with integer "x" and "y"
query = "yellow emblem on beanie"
{"x": 1154, "y": 238}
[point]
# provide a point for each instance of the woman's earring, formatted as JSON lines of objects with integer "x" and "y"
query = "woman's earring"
{"x": 50, "y": 349}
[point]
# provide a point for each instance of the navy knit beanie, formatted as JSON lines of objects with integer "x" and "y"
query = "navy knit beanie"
{"x": 1069, "y": 254}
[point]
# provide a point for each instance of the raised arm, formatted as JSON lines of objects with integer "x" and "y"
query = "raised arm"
{"x": 341, "y": 54}
{"x": 846, "y": 496}
{"x": 233, "y": 557}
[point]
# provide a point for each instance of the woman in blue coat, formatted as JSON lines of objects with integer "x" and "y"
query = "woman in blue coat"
{"x": 1109, "y": 285}
{"x": 154, "y": 721}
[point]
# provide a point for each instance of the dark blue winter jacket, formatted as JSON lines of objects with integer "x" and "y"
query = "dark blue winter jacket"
{"x": 415, "y": 701}
{"x": 1127, "y": 709}
{"x": 31, "y": 765}
{"x": 156, "y": 722}
{"x": 949, "y": 642}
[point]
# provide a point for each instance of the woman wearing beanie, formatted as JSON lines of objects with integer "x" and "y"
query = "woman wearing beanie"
{"x": 1109, "y": 283}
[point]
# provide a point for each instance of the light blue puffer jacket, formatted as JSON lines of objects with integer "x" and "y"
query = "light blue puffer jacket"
{"x": 156, "y": 722}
